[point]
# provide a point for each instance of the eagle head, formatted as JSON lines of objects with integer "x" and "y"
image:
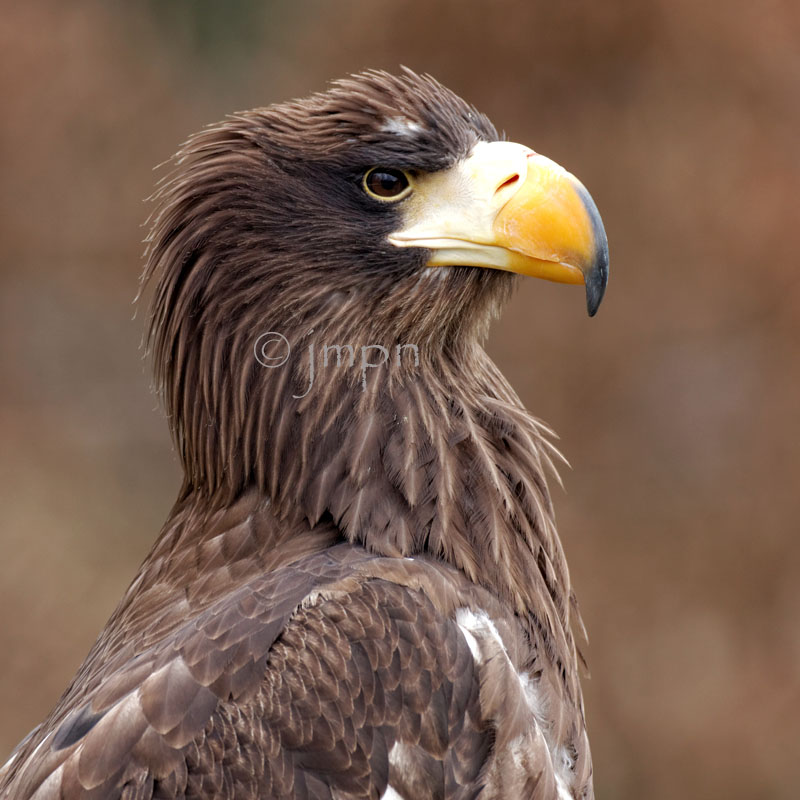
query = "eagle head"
{"x": 384, "y": 211}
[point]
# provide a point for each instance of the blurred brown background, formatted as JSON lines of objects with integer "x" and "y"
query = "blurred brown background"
{"x": 677, "y": 406}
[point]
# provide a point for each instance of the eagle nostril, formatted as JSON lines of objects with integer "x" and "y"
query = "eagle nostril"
{"x": 508, "y": 182}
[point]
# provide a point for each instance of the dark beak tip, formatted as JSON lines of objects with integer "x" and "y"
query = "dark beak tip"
{"x": 597, "y": 279}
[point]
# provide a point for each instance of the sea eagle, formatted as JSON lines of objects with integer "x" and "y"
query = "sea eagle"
{"x": 360, "y": 592}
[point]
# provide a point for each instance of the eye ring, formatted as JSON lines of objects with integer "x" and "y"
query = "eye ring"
{"x": 387, "y": 184}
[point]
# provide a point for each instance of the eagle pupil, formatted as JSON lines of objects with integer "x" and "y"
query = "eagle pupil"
{"x": 387, "y": 182}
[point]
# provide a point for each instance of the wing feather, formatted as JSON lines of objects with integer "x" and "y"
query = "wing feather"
{"x": 340, "y": 675}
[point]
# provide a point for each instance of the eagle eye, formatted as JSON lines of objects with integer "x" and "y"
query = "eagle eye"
{"x": 386, "y": 184}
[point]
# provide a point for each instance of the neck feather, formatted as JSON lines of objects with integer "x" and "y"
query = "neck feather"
{"x": 422, "y": 454}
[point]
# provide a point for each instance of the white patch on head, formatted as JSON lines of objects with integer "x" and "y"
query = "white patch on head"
{"x": 426, "y": 276}
{"x": 391, "y": 794}
{"x": 401, "y": 126}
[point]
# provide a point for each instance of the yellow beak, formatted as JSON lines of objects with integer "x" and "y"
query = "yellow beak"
{"x": 506, "y": 207}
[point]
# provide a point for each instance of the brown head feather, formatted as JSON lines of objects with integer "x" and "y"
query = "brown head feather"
{"x": 262, "y": 226}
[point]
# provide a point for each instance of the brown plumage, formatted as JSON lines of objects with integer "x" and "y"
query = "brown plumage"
{"x": 360, "y": 592}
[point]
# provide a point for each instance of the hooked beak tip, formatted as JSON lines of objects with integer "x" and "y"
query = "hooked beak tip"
{"x": 596, "y": 276}
{"x": 596, "y": 280}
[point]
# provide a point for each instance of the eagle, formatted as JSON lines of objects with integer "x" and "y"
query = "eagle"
{"x": 360, "y": 591}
